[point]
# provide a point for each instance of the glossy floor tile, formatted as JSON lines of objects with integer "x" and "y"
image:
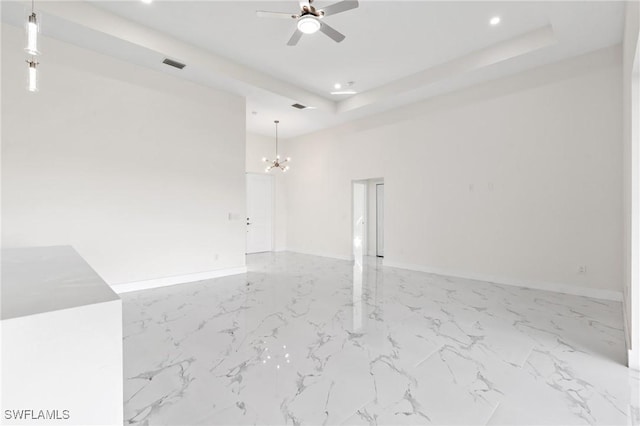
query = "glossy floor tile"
{"x": 310, "y": 340}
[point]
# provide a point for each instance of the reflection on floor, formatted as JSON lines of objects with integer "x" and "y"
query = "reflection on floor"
{"x": 310, "y": 340}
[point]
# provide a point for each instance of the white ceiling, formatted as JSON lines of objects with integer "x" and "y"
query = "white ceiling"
{"x": 396, "y": 51}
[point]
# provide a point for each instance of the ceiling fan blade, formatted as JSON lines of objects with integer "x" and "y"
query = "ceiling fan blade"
{"x": 304, "y": 3}
{"x": 335, "y": 35}
{"x": 342, "y": 6}
{"x": 282, "y": 15}
{"x": 295, "y": 38}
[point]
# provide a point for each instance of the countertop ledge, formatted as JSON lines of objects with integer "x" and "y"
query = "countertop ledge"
{"x": 43, "y": 279}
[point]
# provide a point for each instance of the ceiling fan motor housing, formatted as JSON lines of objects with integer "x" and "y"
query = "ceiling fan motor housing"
{"x": 310, "y": 10}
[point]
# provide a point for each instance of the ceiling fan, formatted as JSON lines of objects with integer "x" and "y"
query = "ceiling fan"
{"x": 309, "y": 20}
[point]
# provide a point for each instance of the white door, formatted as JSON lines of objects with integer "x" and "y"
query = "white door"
{"x": 359, "y": 212}
{"x": 259, "y": 213}
{"x": 380, "y": 220}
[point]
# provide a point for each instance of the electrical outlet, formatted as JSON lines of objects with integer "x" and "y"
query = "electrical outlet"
{"x": 582, "y": 269}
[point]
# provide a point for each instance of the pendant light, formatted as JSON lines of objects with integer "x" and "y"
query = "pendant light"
{"x": 32, "y": 49}
{"x": 277, "y": 163}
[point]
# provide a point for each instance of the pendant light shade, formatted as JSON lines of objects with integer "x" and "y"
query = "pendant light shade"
{"x": 32, "y": 86}
{"x": 32, "y": 35}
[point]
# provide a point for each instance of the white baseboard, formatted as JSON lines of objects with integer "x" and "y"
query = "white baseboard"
{"x": 178, "y": 279}
{"x": 633, "y": 360}
{"x": 329, "y": 255}
{"x": 594, "y": 293}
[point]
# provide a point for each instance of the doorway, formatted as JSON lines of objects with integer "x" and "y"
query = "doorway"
{"x": 259, "y": 213}
{"x": 367, "y": 222}
{"x": 359, "y": 209}
{"x": 380, "y": 219}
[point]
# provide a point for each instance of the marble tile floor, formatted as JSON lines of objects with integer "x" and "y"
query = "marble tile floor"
{"x": 309, "y": 340}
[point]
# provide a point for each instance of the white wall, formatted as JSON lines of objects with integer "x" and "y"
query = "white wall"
{"x": 259, "y": 146}
{"x": 136, "y": 169}
{"x": 515, "y": 180}
{"x": 631, "y": 188}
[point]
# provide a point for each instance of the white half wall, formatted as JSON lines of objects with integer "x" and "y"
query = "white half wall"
{"x": 518, "y": 178}
{"x": 68, "y": 359}
{"x": 259, "y": 147}
{"x": 141, "y": 172}
{"x": 631, "y": 187}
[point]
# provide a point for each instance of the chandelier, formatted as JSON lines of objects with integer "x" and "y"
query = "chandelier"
{"x": 277, "y": 163}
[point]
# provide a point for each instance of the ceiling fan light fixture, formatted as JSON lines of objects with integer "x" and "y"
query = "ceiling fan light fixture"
{"x": 308, "y": 24}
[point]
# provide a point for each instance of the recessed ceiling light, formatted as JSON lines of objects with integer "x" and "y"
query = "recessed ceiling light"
{"x": 337, "y": 86}
{"x": 308, "y": 24}
{"x": 494, "y": 21}
{"x": 146, "y": 1}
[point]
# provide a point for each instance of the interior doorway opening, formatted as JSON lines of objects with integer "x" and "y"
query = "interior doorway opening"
{"x": 368, "y": 218}
{"x": 359, "y": 219}
{"x": 379, "y": 219}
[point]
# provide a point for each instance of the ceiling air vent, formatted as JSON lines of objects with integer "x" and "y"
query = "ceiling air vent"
{"x": 173, "y": 63}
{"x": 299, "y": 106}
